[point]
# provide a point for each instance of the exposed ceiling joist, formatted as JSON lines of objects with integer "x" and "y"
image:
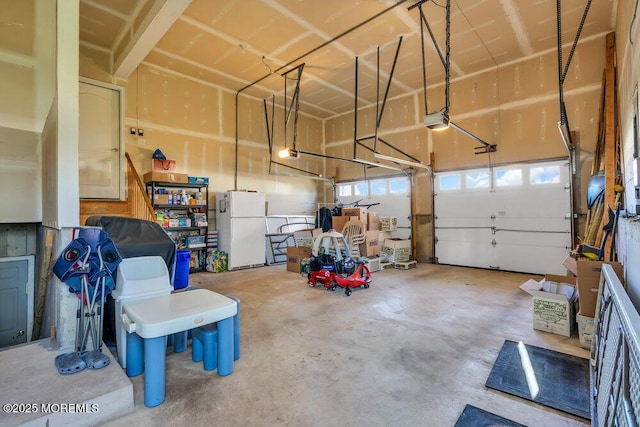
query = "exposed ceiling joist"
{"x": 155, "y": 24}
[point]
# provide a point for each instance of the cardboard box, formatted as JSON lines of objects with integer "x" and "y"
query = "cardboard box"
{"x": 553, "y": 303}
{"x": 373, "y": 226}
{"x": 338, "y": 222}
{"x": 373, "y": 263}
{"x": 303, "y": 238}
{"x": 160, "y": 199}
{"x": 586, "y": 330}
{"x": 372, "y": 217}
{"x": 371, "y": 245}
{"x": 360, "y": 213}
{"x": 588, "y": 281}
{"x": 586, "y": 267}
{"x": 397, "y": 250}
{"x": 384, "y": 235}
{"x": 388, "y": 223}
{"x": 166, "y": 177}
{"x": 295, "y": 257}
{"x": 198, "y": 180}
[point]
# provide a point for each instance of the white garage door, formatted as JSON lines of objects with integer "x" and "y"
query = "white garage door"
{"x": 515, "y": 218}
{"x": 390, "y": 196}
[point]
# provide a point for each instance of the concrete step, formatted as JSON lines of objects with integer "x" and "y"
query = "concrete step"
{"x": 37, "y": 395}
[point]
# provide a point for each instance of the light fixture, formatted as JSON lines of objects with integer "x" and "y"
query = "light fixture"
{"x": 437, "y": 121}
{"x": 401, "y": 161}
{"x": 289, "y": 153}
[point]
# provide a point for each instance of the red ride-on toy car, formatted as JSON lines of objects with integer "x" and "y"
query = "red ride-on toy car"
{"x": 332, "y": 265}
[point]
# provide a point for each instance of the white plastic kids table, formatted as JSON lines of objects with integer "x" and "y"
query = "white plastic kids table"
{"x": 148, "y": 322}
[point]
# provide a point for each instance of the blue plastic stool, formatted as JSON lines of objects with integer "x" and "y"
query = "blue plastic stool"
{"x": 236, "y": 330}
{"x": 204, "y": 346}
{"x": 180, "y": 341}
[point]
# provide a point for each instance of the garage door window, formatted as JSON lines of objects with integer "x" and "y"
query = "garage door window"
{"x": 398, "y": 186}
{"x": 353, "y": 189}
{"x": 508, "y": 177}
{"x": 379, "y": 187}
{"x": 389, "y": 196}
{"x": 477, "y": 180}
{"x": 450, "y": 182}
{"x": 544, "y": 175}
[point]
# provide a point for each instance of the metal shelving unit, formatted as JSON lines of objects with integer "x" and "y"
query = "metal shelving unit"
{"x": 183, "y": 210}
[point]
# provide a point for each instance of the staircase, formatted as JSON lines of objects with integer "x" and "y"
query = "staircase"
{"x": 137, "y": 204}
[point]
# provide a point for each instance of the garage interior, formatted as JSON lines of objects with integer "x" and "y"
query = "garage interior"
{"x": 537, "y": 99}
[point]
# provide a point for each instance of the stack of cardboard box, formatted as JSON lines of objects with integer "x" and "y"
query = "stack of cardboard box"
{"x": 374, "y": 238}
{"x": 304, "y": 243}
{"x": 557, "y": 309}
{"x": 587, "y": 274}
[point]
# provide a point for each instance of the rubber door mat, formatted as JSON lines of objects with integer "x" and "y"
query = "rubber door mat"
{"x": 476, "y": 417}
{"x": 553, "y": 379}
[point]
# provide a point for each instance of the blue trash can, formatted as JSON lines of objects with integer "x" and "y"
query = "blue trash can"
{"x": 181, "y": 278}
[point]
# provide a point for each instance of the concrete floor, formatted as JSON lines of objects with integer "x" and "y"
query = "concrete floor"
{"x": 412, "y": 350}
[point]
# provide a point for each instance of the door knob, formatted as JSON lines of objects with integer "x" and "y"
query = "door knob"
{"x": 20, "y": 333}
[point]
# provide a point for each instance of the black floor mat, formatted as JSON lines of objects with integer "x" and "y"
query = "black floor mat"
{"x": 562, "y": 380}
{"x": 476, "y": 417}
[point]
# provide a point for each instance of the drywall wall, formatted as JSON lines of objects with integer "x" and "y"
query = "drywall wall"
{"x": 514, "y": 106}
{"x": 27, "y": 84}
{"x": 193, "y": 122}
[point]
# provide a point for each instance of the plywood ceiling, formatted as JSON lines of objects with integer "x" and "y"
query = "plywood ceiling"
{"x": 234, "y": 43}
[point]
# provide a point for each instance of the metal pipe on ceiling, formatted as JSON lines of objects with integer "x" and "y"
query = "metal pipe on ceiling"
{"x": 328, "y": 42}
{"x": 563, "y": 124}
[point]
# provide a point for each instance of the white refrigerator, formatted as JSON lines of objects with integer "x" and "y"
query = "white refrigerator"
{"x": 240, "y": 220}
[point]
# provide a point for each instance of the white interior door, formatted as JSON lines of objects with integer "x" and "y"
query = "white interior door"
{"x": 100, "y": 142}
{"x": 514, "y": 218}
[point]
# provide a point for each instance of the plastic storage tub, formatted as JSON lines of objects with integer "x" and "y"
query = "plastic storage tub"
{"x": 137, "y": 279}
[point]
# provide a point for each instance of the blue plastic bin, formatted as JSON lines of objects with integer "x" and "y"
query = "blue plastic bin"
{"x": 181, "y": 279}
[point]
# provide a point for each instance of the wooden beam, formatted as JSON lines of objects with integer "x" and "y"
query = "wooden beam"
{"x": 610, "y": 162}
{"x": 45, "y": 276}
{"x": 157, "y": 21}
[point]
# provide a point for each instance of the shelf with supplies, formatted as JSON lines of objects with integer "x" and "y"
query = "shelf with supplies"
{"x": 181, "y": 208}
